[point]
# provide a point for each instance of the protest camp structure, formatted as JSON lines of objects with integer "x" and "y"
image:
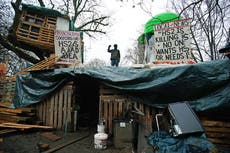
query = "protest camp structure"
{"x": 108, "y": 92}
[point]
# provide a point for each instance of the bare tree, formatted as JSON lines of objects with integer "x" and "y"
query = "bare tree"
{"x": 13, "y": 61}
{"x": 209, "y": 27}
{"x": 96, "y": 63}
{"x": 84, "y": 13}
{"x": 134, "y": 55}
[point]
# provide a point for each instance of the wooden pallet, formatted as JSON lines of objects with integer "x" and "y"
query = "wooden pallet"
{"x": 23, "y": 126}
{"x": 43, "y": 65}
{"x": 37, "y": 31}
{"x": 57, "y": 110}
{"x": 113, "y": 105}
{"x": 18, "y": 115}
{"x": 217, "y": 132}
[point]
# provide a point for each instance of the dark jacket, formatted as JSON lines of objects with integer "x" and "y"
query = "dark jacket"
{"x": 115, "y": 54}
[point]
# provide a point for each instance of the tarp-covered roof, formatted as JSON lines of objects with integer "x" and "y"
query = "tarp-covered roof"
{"x": 204, "y": 85}
{"x": 43, "y": 10}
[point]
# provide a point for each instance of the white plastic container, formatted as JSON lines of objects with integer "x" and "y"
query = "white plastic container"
{"x": 100, "y": 128}
{"x": 100, "y": 140}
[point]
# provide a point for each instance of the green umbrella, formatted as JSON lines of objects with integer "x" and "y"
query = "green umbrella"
{"x": 158, "y": 19}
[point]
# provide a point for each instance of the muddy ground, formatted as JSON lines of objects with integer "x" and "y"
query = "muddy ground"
{"x": 81, "y": 141}
{"x": 27, "y": 142}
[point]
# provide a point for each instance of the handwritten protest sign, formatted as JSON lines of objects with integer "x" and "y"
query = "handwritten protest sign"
{"x": 172, "y": 42}
{"x": 67, "y": 46}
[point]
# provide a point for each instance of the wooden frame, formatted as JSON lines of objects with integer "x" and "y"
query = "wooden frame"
{"x": 113, "y": 104}
{"x": 37, "y": 30}
{"x": 57, "y": 111}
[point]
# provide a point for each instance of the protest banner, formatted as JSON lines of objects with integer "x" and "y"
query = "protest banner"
{"x": 172, "y": 42}
{"x": 67, "y": 46}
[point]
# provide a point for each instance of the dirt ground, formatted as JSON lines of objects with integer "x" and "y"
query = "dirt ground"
{"x": 27, "y": 142}
{"x": 81, "y": 141}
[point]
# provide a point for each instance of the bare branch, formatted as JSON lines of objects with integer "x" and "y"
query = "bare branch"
{"x": 97, "y": 21}
{"x": 52, "y": 4}
{"x": 41, "y": 3}
{"x": 21, "y": 53}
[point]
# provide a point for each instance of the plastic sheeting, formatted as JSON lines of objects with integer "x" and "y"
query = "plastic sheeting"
{"x": 43, "y": 10}
{"x": 162, "y": 142}
{"x": 158, "y": 19}
{"x": 205, "y": 85}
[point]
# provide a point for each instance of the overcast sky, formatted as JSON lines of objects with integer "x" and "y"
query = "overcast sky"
{"x": 128, "y": 24}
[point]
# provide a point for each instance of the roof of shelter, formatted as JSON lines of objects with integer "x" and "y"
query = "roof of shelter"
{"x": 43, "y": 10}
{"x": 204, "y": 85}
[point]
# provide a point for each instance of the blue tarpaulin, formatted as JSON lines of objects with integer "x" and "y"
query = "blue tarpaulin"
{"x": 163, "y": 142}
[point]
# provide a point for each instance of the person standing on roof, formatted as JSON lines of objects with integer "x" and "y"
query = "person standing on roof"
{"x": 115, "y": 55}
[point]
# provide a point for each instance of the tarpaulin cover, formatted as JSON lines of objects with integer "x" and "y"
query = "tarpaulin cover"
{"x": 158, "y": 19}
{"x": 43, "y": 10}
{"x": 163, "y": 142}
{"x": 205, "y": 85}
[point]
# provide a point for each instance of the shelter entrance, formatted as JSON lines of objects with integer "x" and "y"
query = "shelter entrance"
{"x": 87, "y": 99}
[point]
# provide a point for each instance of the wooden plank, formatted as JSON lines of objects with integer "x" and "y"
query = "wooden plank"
{"x": 218, "y": 135}
{"x": 24, "y": 126}
{"x": 100, "y": 115}
{"x": 106, "y": 115}
{"x": 60, "y": 109}
{"x": 47, "y": 112}
{"x": 215, "y": 123}
{"x": 50, "y": 136}
{"x": 44, "y": 111}
{"x": 110, "y": 117}
{"x": 7, "y": 131}
{"x": 115, "y": 106}
{"x": 147, "y": 112}
{"x": 5, "y": 104}
{"x": 11, "y": 118}
{"x": 220, "y": 141}
{"x": 219, "y": 129}
{"x": 27, "y": 109}
{"x": 55, "y": 110}
{"x": 4, "y": 120}
{"x": 14, "y": 111}
{"x": 51, "y": 121}
{"x": 6, "y": 113}
{"x": 40, "y": 111}
{"x": 120, "y": 109}
{"x": 64, "y": 122}
{"x": 69, "y": 108}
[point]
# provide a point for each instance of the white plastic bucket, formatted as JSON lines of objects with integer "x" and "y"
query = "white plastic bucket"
{"x": 100, "y": 140}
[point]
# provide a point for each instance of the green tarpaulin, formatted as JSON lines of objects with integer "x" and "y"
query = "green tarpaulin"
{"x": 205, "y": 85}
{"x": 158, "y": 19}
{"x": 43, "y": 10}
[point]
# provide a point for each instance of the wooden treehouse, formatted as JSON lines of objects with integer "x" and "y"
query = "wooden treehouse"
{"x": 35, "y": 26}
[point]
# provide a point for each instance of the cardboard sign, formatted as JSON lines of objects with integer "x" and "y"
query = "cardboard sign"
{"x": 172, "y": 42}
{"x": 67, "y": 46}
